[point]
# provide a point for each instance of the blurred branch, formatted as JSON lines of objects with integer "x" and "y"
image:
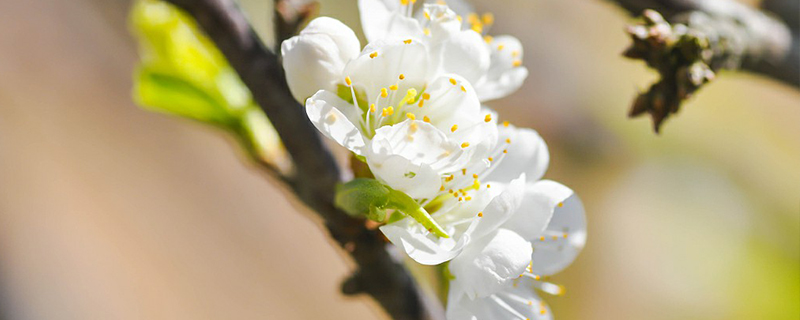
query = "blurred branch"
{"x": 316, "y": 173}
{"x": 289, "y": 16}
{"x": 698, "y": 38}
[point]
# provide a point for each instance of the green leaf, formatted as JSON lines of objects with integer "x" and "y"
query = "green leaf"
{"x": 170, "y": 94}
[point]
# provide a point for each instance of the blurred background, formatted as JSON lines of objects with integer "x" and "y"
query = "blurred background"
{"x": 111, "y": 212}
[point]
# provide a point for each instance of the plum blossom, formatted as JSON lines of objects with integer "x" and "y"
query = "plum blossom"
{"x": 492, "y": 64}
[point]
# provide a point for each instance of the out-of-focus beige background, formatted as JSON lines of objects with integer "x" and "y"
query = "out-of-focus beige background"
{"x": 110, "y": 212}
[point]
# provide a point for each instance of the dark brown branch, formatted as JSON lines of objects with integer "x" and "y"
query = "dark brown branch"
{"x": 698, "y": 38}
{"x": 378, "y": 275}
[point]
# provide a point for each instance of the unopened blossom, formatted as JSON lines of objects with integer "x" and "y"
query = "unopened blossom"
{"x": 492, "y": 64}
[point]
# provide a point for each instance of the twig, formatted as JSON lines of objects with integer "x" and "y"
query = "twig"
{"x": 699, "y": 38}
{"x": 378, "y": 275}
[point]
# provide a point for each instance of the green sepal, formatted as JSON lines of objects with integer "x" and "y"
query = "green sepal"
{"x": 369, "y": 198}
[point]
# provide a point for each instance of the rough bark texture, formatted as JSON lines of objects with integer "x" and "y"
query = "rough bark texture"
{"x": 697, "y": 38}
{"x": 316, "y": 173}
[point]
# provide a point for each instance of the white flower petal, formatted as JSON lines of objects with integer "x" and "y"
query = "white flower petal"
{"x": 381, "y": 63}
{"x": 336, "y": 119}
{"x": 514, "y": 302}
{"x": 418, "y": 181}
{"x": 500, "y": 209}
{"x": 419, "y": 142}
{"x": 463, "y": 53}
{"x": 506, "y": 74}
{"x": 315, "y": 58}
{"x": 421, "y": 245}
{"x": 552, "y": 256}
{"x": 527, "y": 153}
{"x": 382, "y": 20}
{"x": 538, "y": 204}
{"x": 487, "y": 264}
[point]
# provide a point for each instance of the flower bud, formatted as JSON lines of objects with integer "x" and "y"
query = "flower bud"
{"x": 315, "y": 58}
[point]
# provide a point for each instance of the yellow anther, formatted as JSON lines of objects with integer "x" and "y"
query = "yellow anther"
{"x": 488, "y": 185}
{"x": 472, "y": 18}
{"x": 505, "y": 150}
{"x": 373, "y": 55}
{"x": 477, "y": 27}
{"x": 442, "y": 188}
{"x": 487, "y": 18}
{"x": 500, "y": 47}
{"x": 555, "y": 237}
{"x": 541, "y": 238}
{"x": 475, "y": 176}
{"x": 465, "y": 144}
{"x": 488, "y": 39}
{"x": 463, "y": 89}
{"x": 450, "y": 191}
{"x": 463, "y": 172}
{"x": 347, "y": 80}
{"x": 505, "y": 123}
{"x": 426, "y": 31}
{"x": 468, "y": 198}
{"x": 426, "y": 96}
{"x": 508, "y": 140}
{"x": 421, "y": 103}
{"x": 459, "y": 18}
{"x": 516, "y": 63}
{"x": 404, "y": 2}
{"x": 411, "y": 116}
{"x": 372, "y": 107}
{"x": 393, "y": 87}
{"x": 384, "y": 93}
{"x": 407, "y": 41}
{"x": 427, "y": 15}
{"x": 453, "y": 81}
{"x": 455, "y": 195}
{"x": 454, "y": 128}
{"x": 425, "y": 118}
{"x": 491, "y": 159}
{"x": 565, "y": 236}
{"x": 560, "y": 204}
{"x": 450, "y": 178}
{"x": 388, "y": 111}
{"x": 401, "y": 76}
{"x": 413, "y": 127}
{"x": 487, "y": 118}
{"x": 480, "y": 214}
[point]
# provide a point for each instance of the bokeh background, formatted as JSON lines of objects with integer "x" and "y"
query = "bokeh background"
{"x": 111, "y": 212}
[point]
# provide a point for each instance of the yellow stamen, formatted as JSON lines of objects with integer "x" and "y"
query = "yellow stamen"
{"x": 402, "y": 76}
{"x": 463, "y": 89}
{"x": 393, "y": 87}
{"x": 453, "y": 81}
{"x": 505, "y": 123}
{"x": 388, "y": 111}
{"x": 454, "y": 128}
{"x": 384, "y": 93}
{"x": 465, "y": 144}
{"x": 480, "y": 214}
{"x": 347, "y": 80}
{"x": 488, "y": 39}
{"x": 500, "y": 47}
{"x": 426, "y": 119}
{"x": 426, "y": 96}
{"x": 516, "y": 63}
{"x": 411, "y": 116}
{"x": 408, "y": 41}
{"x": 487, "y": 18}
{"x": 373, "y": 55}
{"x": 487, "y": 118}
{"x": 372, "y": 108}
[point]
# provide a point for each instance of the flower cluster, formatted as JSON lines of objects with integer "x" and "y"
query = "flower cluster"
{"x": 410, "y": 105}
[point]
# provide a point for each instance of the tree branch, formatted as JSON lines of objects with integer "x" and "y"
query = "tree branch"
{"x": 316, "y": 173}
{"x": 700, "y": 37}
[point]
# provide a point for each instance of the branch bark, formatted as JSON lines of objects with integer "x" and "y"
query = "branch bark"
{"x": 697, "y": 38}
{"x": 316, "y": 172}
